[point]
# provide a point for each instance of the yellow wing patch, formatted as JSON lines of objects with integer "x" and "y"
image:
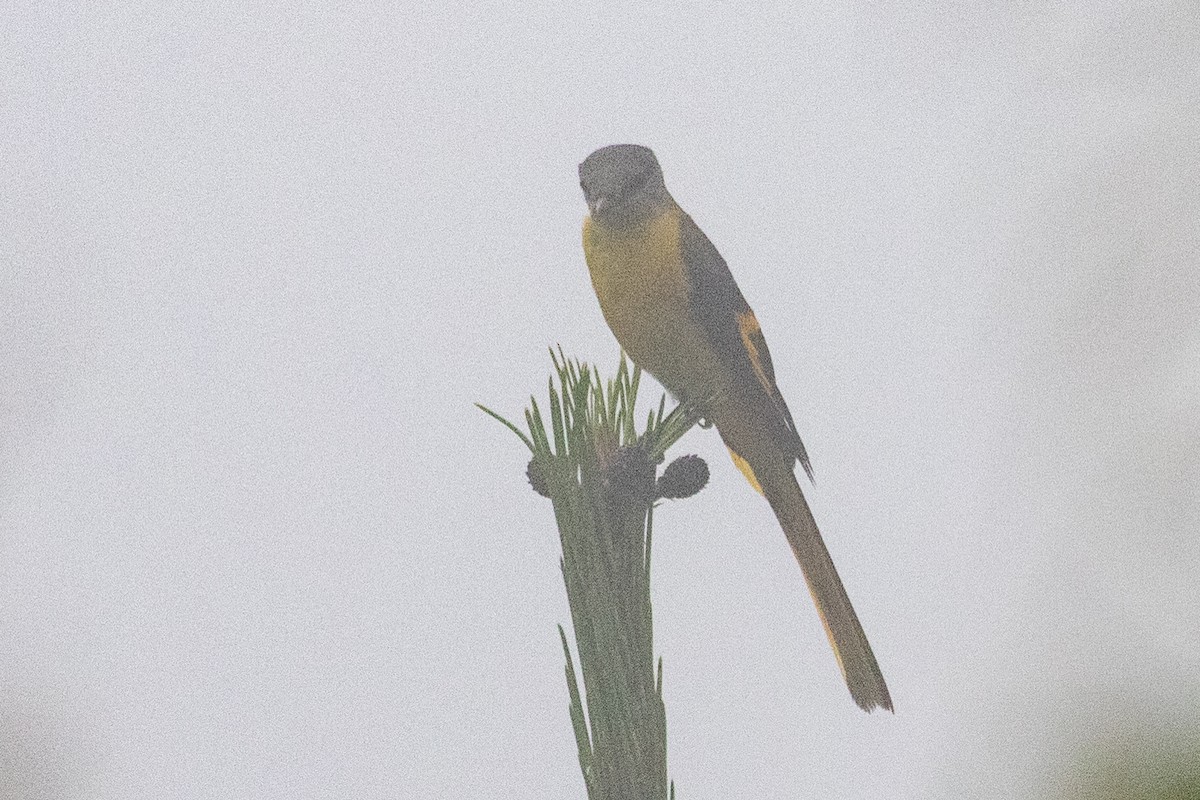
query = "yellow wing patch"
{"x": 755, "y": 347}
{"x": 751, "y": 334}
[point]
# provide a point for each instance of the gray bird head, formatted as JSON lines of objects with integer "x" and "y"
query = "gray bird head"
{"x": 623, "y": 184}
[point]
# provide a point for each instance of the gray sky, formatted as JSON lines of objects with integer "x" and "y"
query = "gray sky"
{"x": 257, "y": 261}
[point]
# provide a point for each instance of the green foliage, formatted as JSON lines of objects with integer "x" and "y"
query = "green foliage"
{"x": 1131, "y": 759}
{"x": 600, "y": 474}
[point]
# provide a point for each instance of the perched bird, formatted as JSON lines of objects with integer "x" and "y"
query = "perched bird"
{"x": 674, "y": 307}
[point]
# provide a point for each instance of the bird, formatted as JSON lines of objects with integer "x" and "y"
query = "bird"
{"x": 672, "y": 303}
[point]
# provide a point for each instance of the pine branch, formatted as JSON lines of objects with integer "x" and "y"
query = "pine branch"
{"x": 600, "y": 474}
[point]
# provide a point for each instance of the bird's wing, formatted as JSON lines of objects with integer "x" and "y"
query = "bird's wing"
{"x": 732, "y": 329}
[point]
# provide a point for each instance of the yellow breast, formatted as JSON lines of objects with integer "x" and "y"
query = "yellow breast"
{"x": 639, "y": 277}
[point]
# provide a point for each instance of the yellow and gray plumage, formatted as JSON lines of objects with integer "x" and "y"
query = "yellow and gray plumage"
{"x": 674, "y": 306}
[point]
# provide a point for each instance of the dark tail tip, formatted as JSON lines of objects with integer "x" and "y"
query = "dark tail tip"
{"x": 874, "y": 701}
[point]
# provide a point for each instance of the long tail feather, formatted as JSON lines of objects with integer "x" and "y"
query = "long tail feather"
{"x": 850, "y": 645}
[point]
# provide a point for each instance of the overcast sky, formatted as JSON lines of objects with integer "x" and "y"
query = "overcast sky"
{"x": 257, "y": 261}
